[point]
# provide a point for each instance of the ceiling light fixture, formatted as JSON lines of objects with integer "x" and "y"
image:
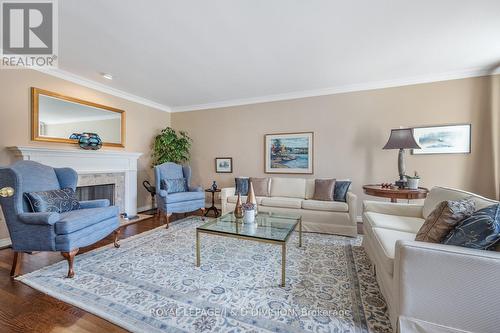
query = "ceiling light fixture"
{"x": 107, "y": 76}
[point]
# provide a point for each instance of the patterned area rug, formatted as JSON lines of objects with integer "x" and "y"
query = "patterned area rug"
{"x": 151, "y": 284}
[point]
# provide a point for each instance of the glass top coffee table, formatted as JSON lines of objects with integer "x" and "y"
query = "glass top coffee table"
{"x": 272, "y": 228}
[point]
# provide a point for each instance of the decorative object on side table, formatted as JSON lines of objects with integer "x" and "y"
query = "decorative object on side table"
{"x": 249, "y": 211}
{"x": 395, "y": 193}
{"x": 88, "y": 141}
{"x": 238, "y": 210}
{"x": 289, "y": 153}
{"x": 215, "y": 209}
{"x": 451, "y": 139}
{"x": 224, "y": 164}
{"x": 251, "y": 197}
{"x": 401, "y": 139}
{"x": 412, "y": 181}
{"x": 214, "y": 186}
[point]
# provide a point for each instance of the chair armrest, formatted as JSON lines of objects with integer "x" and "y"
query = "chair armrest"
{"x": 45, "y": 218}
{"x": 162, "y": 193}
{"x": 94, "y": 203}
{"x": 195, "y": 188}
{"x": 352, "y": 203}
{"x": 461, "y": 282}
{"x": 389, "y": 208}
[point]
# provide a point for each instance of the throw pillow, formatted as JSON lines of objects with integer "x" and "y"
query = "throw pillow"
{"x": 444, "y": 218}
{"x": 323, "y": 189}
{"x": 481, "y": 230}
{"x": 260, "y": 186}
{"x": 174, "y": 185}
{"x": 56, "y": 201}
{"x": 241, "y": 184}
{"x": 341, "y": 189}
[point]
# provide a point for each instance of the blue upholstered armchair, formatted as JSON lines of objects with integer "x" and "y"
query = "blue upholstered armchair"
{"x": 173, "y": 191}
{"x": 51, "y": 231}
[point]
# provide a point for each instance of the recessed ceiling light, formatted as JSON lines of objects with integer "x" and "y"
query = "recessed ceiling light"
{"x": 107, "y": 76}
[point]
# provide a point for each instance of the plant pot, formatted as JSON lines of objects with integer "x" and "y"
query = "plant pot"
{"x": 249, "y": 216}
{"x": 413, "y": 183}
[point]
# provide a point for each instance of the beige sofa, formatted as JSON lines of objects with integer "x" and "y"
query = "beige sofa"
{"x": 431, "y": 287}
{"x": 294, "y": 195}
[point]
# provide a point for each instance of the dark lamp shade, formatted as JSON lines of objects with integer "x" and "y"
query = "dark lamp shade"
{"x": 401, "y": 139}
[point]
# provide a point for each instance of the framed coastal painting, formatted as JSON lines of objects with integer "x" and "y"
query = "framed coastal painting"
{"x": 289, "y": 153}
{"x": 450, "y": 139}
{"x": 224, "y": 164}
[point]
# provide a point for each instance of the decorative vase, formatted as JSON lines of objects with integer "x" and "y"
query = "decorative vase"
{"x": 249, "y": 216}
{"x": 90, "y": 141}
{"x": 214, "y": 186}
{"x": 251, "y": 197}
{"x": 412, "y": 183}
{"x": 238, "y": 211}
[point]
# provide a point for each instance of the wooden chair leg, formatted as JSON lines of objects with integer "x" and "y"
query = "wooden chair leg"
{"x": 167, "y": 218}
{"x": 70, "y": 257}
{"x": 116, "y": 239}
{"x": 16, "y": 263}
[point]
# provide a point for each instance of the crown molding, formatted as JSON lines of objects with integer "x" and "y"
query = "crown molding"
{"x": 341, "y": 89}
{"x": 103, "y": 88}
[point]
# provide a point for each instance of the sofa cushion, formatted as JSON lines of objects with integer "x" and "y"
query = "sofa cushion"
{"x": 185, "y": 196}
{"x": 55, "y": 201}
{"x": 288, "y": 187}
{"x": 340, "y": 190}
{"x": 310, "y": 188}
{"x": 479, "y": 231}
{"x": 444, "y": 218}
{"x": 78, "y": 219}
{"x": 234, "y": 198}
{"x": 282, "y": 202}
{"x": 260, "y": 186}
{"x": 394, "y": 222}
{"x": 384, "y": 243}
{"x": 438, "y": 194}
{"x": 323, "y": 189}
{"x": 330, "y": 206}
{"x": 241, "y": 185}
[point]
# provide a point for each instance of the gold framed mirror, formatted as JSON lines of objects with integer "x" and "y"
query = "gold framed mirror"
{"x": 55, "y": 117}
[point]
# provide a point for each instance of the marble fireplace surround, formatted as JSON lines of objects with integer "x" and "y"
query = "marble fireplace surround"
{"x": 94, "y": 167}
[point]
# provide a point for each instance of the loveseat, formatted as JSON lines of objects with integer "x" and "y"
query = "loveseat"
{"x": 294, "y": 196}
{"x": 431, "y": 287}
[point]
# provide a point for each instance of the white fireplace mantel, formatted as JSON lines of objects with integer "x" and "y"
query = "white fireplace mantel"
{"x": 88, "y": 162}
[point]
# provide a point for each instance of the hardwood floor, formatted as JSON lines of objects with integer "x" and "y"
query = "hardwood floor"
{"x": 23, "y": 309}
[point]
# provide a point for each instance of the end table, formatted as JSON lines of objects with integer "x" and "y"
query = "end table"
{"x": 395, "y": 193}
{"x": 216, "y": 211}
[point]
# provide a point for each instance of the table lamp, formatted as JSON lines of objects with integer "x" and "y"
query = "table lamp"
{"x": 401, "y": 139}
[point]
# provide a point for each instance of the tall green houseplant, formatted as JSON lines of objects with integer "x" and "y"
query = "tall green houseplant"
{"x": 171, "y": 146}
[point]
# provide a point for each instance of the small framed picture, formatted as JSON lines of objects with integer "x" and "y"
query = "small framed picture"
{"x": 448, "y": 139}
{"x": 224, "y": 164}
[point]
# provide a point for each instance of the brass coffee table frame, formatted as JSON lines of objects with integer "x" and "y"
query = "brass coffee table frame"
{"x": 262, "y": 240}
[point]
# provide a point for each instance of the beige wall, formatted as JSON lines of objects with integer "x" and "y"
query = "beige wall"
{"x": 349, "y": 131}
{"x": 143, "y": 122}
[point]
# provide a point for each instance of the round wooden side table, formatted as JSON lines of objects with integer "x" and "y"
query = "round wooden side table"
{"x": 395, "y": 193}
{"x": 216, "y": 211}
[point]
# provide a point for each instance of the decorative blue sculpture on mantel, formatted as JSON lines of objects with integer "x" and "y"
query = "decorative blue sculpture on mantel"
{"x": 88, "y": 141}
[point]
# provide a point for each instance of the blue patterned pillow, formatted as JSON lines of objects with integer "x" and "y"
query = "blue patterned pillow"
{"x": 241, "y": 185}
{"x": 340, "y": 190}
{"x": 479, "y": 231}
{"x": 57, "y": 201}
{"x": 174, "y": 185}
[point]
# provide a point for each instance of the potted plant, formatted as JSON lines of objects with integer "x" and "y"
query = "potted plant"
{"x": 413, "y": 181}
{"x": 248, "y": 212}
{"x": 171, "y": 146}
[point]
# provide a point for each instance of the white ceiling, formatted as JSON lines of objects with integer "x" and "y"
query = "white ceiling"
{"x": 187, "y": 54}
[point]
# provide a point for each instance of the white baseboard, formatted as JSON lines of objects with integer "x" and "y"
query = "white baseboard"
{"x": 5, "y": 242}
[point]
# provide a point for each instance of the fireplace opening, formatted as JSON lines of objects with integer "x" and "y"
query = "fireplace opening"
{"x": 95, "y": 192}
